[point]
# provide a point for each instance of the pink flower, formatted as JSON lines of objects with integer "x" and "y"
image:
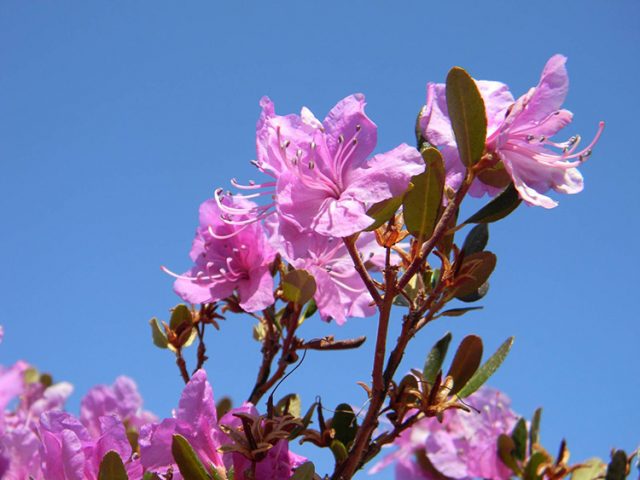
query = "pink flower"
{"x": 463, "y": 446}
{"x": 517, "y": 138}
{"x": 195, "y": 419}
{"x": 70, "y": 452}
{"x": 340, "y": 292}
{"x": 121, "y": 400}
{"x": 229, "y": 255}
{"x": 323, "y": 180}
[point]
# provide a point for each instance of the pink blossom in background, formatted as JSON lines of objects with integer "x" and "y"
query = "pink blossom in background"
{"x": 228, "y": 258}
{"x": 323, "y": 181}
{"x": 517, "y": 136}
{"x": 120, "y": 400}
{"x": 463, "y": 446}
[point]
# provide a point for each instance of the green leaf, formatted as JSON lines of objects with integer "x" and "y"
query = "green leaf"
{"x": 506, "y": 446}
{"x": 478, "y": 267}
{"x": 592, "y": 468}
{"x": 150, "y": 476}
{"x": 382, "y": 212}
{"x": 423, "y": 203}
{"x": 306, "y": 471}
{"x": 498, "y": 208}
{"x": 466, "y": 362}
{"x": 188, "y": 462}
{"x": 180, "y": 315}
{"x": 531, "y": 470}
{"x": 433, "y": 363}
{"x": 467, "y": 114}
{"x": 291, "y": 403}
{"x": 306, "y": 421}
{"x": 476, "y": 240}
{"x": 339, "y": 451}
{"x": 519, "y": 436}
{"x": 487, "y": 369}
{"x": 458, "y": 312}
{"x": 534, "y": 432}
{"x": 345, "y": 424}
{"x": 310, "y": 310}
{"x": 617, "y": 468}
{"x": 157, "y": 333}
{"x": 112, "y": 468}
{"x": 223, "y": 406}
{"x": 298, "y": 286}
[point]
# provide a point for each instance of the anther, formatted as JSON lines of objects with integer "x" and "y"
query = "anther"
{"x": 311, "y": 165}
{"x": 340, "y": 138}
{"x": 313, "y": 145}
{"x": 358, "y": 127}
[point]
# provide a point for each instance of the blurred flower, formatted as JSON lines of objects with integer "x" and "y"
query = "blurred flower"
{"x": 70, "y": 452}
{"x": 229, "y": 255}
{"x": 120, "y": 400}
{"x": 463, "y": 446}
{"x": 518, "y": 146}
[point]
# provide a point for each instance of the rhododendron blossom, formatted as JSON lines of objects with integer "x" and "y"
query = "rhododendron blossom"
{"x": 517, "y": 138}
{"x": 324, "y": 181}
{"x": 228, "y": 258}
{"x": 463, "y": 446}
{"x": 340, "y": 292}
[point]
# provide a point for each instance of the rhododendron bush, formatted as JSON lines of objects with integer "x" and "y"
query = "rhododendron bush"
{"x": 333, "y": 230}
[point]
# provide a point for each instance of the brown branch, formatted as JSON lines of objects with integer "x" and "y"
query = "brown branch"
{"x": 182, "y": 366}
{"x": 350, "y": 243}
{"x": 289, "y": 346}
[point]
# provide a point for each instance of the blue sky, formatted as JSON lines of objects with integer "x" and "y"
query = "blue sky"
{"x": 118, "y": 118}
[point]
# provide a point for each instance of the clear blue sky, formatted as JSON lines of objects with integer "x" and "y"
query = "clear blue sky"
{"x": 118, "y": 118}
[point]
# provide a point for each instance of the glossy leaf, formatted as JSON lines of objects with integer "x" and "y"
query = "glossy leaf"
{"x": 592, "y": 468}
{"x": 298, "y": 286}
{"x": 458, "y": 312}
{"x": 617, "y": 468}
{"x": 150, "y": 476}
{"x": 339, "y": 451}
{"x": 345, "y": 424}
{"x": 466, "y": 362}
{"x": 306, "y": 471}
{"x": 498, "y": 208}
{"x": 519, "y": 436}
{"x": 477, "y": 295}
{"x": 159, "y": 337}
{"x": 180, "y": 315}
{"x": 382, "y": 212}
{"x": 467, "y": 114}
{"x": 188, "y": 462}
{"x": 433, "y": 363}
{"x": 531, "y": 469}
{"x": 476, "y": 240}
{"x": 477, "y": 267}
{"x": 291, "y": 404}
{"x": 423, "y": 203}
{"x": 487, "y": 369}
{"x": 112, "y": 468}
{"x": 506, "y": 446}
{"x": 534, "y": 431}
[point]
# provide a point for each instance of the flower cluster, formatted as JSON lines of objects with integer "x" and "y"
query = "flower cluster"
{"x": 462, "y": 446}
{"x": 39, "y": 440}
{"x": 323, "y": 181}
